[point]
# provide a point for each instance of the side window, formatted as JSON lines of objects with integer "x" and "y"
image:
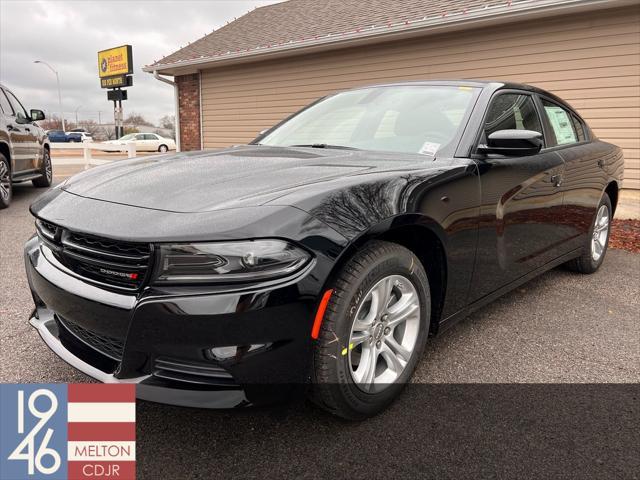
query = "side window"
{"x": 512, "y": 111}
{"x": 578, "y": 126}
{"x": 149, "y": 136}
{"x": 140, "y": 136}
{"x": 21, "y": 113}
{"x": 5, "y": 106}
{"x": 561, "y": 123}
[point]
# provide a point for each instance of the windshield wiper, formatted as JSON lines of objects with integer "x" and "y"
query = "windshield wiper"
{"x": 325, "y": 145}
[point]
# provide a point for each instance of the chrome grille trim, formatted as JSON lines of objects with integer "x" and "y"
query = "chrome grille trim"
{"x": 112, "y": 263}
{"x": 192, "y": 372}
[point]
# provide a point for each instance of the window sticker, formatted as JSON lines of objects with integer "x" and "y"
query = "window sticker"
{"x": 561, "y": 124}
{"x": 429, "y": 148}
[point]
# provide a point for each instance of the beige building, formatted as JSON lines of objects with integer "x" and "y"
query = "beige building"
{"x": 257, "y": 70}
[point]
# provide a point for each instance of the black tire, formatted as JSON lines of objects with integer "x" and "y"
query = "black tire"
{"x": 333, "y": 387}
{"x": 586, "y": 263}
{"x": 163, "y": 149}
{"x": 6, "y": 188}
{"x": 47, "y": 172}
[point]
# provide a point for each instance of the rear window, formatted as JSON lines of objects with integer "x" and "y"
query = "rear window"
{"x": 579, "y": 128}
{"x": 562, "y": 123}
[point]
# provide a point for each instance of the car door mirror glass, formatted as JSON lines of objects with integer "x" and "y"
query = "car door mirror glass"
{"x": 517, "y": 143}
{"x": 36, "y": 115}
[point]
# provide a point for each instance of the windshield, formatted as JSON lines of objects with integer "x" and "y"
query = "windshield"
{"x": 412, "y": 119}
{"x": 130, "y": 136}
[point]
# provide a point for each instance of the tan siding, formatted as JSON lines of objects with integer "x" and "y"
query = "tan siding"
{"x": 592, "y": 61}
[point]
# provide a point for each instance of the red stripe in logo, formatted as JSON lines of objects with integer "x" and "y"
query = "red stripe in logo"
{"x": 102, "y": 431}
{"x": 99, "y": 392}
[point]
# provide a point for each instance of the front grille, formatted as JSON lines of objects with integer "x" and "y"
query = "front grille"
{"x": 192, "y": 372}
{"x": 123, "y": 265}
{"x": 108, "y": 346}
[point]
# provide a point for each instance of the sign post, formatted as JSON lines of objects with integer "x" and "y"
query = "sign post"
{"x": 115, "y": 66}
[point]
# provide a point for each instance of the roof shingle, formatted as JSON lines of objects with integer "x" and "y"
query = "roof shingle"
{"x": 298, "y": 21}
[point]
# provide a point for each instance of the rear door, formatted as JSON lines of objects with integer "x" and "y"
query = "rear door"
{"x": 21, "y": 133}
{"x": 521, "y": 199}
{"x": 585, "y": 177}
{"x": 151, "y": 141}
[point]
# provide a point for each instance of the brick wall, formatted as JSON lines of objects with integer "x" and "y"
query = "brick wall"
{"x": 189, "y": 111}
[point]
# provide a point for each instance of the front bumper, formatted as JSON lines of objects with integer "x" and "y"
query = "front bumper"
{"x": 162, "y": 340}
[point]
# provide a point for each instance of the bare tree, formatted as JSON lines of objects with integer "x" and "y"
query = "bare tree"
{"x": 168, "y": 122}
{"x": 51, "y": 123}
{"x": 136, "y": 119}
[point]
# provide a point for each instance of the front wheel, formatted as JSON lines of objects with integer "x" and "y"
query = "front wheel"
{"x": 597, "y": 241}
{"x": 373, "y": 333}
{"x": 6, "y": 189}
{"x": 163, "y": 149}
{"x": 47, "y": 172}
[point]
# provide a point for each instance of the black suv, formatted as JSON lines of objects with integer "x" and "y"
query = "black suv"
{"x": 24, "y": 147}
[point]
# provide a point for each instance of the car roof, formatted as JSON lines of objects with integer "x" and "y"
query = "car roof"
{"x": 492, "y": 85}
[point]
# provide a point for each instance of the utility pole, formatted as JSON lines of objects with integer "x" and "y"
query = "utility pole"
{"x": 79, "y": 107}
{"x": 59, "y": 93}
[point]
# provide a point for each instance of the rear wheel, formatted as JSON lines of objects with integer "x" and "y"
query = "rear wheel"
{"x": 47, "y": 172}
{"x": 6, "y": 189}
{"x": 373, "y": 333}
{"x": 597, "y": 241}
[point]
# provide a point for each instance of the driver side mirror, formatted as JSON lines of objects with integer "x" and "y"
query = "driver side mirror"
{"x": 513, "y": 143}
{"x": 36, "y": 115}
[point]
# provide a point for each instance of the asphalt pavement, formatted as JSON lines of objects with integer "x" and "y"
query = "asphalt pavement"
{"x": 522, "y": 388}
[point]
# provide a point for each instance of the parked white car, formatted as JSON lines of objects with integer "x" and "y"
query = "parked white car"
{"x": 146, "y": 142}
{"x": 75, "y": 136}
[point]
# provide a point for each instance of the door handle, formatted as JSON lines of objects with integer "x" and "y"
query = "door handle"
{"x": 556, "y": 180}
{"x": 601, "y": 163}
{"x": 27, "y": 129}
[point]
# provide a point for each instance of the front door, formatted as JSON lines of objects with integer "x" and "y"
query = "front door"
{"x": 141, "y": 142}
{"x": 521, "y": 200}
{"x": 24, "y": 136}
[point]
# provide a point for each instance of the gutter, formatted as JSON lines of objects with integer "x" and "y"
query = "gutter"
{"x": 157, "y": 76}
{"x": 459, "y": 20}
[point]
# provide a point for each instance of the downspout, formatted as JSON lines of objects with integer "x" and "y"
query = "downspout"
{"x": 157, "y": 76}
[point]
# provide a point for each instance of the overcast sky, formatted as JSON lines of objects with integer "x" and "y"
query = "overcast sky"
{"x": 68, "y": 35}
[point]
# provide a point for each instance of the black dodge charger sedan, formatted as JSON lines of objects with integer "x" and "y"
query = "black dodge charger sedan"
{"x": 320, "y": 257}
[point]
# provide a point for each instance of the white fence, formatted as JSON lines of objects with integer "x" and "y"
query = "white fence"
{"x": 87, "y": 147}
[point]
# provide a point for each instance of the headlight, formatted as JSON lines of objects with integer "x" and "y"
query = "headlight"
{"x": 229, "y": 261}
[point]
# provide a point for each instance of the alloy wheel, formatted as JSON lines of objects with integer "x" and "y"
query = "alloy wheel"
{"x": 48, "y": 171}
{"x": 384, "y": 333}
{"x": 5, "y": 181}
{"x": 600, "y": 233}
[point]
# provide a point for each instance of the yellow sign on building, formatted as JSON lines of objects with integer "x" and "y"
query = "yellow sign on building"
{"x": 115, "y": 61}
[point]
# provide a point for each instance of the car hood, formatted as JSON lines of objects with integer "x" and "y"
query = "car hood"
{"x": 242, "y": 176}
